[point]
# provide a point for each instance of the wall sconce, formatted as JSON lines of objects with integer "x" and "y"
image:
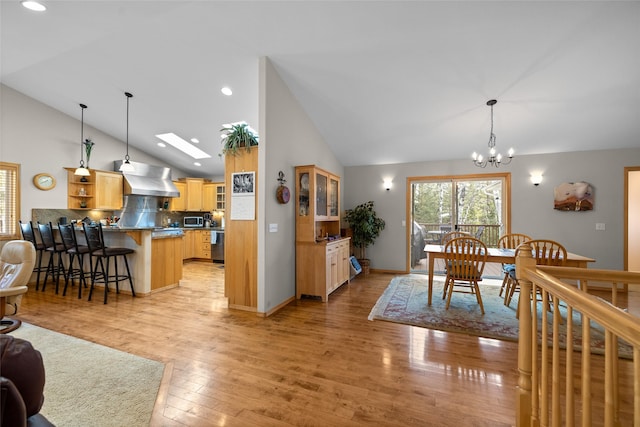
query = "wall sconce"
{"x": 536, "y": 179}
{"x": 387, "y": 183}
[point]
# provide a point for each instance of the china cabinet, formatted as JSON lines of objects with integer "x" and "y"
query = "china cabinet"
{"x": 322, "y": 255}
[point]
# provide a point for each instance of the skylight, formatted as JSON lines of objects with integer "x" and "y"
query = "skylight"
{"x": 182, "y": 145}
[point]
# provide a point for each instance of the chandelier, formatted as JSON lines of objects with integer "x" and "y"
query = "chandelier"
{"x": 494, "y": 158}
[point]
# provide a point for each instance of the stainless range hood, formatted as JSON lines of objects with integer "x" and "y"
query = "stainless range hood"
{"x": 147, "y": 180}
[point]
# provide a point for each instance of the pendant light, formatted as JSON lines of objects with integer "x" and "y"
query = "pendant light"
{"x": 126, "y": 166}
{"x": 81, "y": 170}
{"x": 494, "y": 159}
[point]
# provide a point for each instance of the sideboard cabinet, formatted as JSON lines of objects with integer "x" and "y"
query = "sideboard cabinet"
{"x": 322, "y": 256}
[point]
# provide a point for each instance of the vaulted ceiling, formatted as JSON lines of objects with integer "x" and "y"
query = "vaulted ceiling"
{"x": 383, "y": 81}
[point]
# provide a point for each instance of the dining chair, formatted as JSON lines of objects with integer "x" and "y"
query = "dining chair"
{"x": 466, "y": 257}
{"x": 454, "y": 234}
{"x": 510, "y": 241}
{"x": 546, "y": 252}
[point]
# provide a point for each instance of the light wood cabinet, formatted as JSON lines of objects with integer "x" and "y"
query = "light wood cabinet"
{"x": 166, "y": 265}
{"x": 322, "y": 256}
{"x": 194, "y": 194}
{"x": 179, "y": 203}
{"x": 209, "y": 196}
{"x": 220, "y": 196}
{"x": 197, "y": 244}
{"x": 100, "y": 190}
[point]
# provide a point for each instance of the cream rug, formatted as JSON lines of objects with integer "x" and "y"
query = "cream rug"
{"x": 91, "y": 385}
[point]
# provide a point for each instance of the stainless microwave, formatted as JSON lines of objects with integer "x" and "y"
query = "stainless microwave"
{"x": 193, "y": 221}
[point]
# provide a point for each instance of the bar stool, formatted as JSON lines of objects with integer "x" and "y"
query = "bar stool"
{"x": 75, "y": 252}
{"x": 55, "y": 250}
{"x": 98, "y": 250}
{"x": 28, "y": 234}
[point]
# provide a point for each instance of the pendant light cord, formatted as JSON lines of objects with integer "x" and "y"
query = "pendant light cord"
{"x": 126, "y": 157}
{"x": 82, "y": 135}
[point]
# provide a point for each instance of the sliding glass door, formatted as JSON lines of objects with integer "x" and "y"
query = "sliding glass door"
{"x": 477, "y": 204}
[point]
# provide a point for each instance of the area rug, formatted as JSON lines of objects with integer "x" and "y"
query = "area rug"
{"x": 405, "y": 301}
{"x": 92, "y": 385}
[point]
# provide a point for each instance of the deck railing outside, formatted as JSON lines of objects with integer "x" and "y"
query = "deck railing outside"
{"x": 567, "y": 387}
{"x": 490, "y": 234}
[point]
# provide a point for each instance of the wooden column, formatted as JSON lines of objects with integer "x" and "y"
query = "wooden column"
{"x": 241, "y": 238}
{"x": 524, "y": 399}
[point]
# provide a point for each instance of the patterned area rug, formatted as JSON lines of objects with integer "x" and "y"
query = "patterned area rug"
{"x": 405, "y": 301}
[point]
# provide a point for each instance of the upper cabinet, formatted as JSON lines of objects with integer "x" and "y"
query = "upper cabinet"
{"x": 179, "y": 203}
{"x": 317, "y": 204}
{"x": 100, "y": 190}
{"x": 194, "y": 194}
{"x": 198, "y": 195}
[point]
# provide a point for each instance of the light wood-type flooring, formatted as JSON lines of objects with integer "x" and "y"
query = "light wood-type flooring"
{"x": 309, "y": 364}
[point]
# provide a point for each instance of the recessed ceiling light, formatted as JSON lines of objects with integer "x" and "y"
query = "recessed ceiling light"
{"x": 197, "y": 164}
{"x": 162, "y": 144}
{"x": 34, "y": 5}
{"x": 182, "y": 145}
{"x": 195, "y": 140}
{"x": 226, "y": 91}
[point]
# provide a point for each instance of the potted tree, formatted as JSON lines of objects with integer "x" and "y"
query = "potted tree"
{"x": 366, "y": 227}
{"x": 236, "y": 136}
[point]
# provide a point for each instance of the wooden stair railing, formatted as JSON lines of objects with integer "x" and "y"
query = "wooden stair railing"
{"x": 541, "y": 398}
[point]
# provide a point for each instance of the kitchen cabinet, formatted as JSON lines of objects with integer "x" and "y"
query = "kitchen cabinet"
{"x": 209, "y": 196}
{"x": 194, "y": 194}
{"x": 322, "y": 255}
{"x": 179, "y": 203}
{"x": 197, "y": 244}
{"x": 101, "y": 190}
{"x": 220, "y": 196}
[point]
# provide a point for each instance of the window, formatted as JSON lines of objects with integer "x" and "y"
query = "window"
{"x": 9, "y": 200}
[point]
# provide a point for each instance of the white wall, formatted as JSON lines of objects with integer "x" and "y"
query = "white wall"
{"x": 42, "y": 139}
{"x": 532, "y": 207}
{"x": 289, "y": 138}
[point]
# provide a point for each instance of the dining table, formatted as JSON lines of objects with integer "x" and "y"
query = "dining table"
{"x": 499, "y": 255}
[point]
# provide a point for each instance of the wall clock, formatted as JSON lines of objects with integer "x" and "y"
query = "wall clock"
{"x": 44, "y": 181}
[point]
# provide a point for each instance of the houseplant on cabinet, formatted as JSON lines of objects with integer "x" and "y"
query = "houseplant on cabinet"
{"x": 366, "y": 227}
{"x": 236, "y": 136}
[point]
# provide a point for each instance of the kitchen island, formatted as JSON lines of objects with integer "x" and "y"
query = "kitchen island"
{"x": 157, "y": 261}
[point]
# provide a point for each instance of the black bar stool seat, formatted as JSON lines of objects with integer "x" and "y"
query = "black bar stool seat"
{"x": 101, "y": 253}
{"x": 30, "y": 236}
{"x": 77, "y": 253}
{"x": 55, "y": 250}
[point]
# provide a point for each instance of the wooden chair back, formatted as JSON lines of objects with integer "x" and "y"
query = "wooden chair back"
{"x": 547, "y": 252}
{"x": 453, "y": 235}
{"x": 466, "y": 257}
{"x": 512, "y": 240}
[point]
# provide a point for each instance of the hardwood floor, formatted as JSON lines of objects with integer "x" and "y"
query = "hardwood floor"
{"x": 311, "y": 363}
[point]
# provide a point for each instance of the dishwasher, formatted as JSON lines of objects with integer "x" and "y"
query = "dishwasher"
{"x": 217, "y": 246}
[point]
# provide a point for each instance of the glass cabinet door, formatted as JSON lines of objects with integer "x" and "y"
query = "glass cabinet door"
{"x": 333, "y": 197}
{"x": 321, "y": 195}
{"x": 303, "y": 196}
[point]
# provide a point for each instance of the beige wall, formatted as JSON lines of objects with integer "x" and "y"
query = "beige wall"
{"x": 289, "y": 138}
{"x": 532, "y": 207}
